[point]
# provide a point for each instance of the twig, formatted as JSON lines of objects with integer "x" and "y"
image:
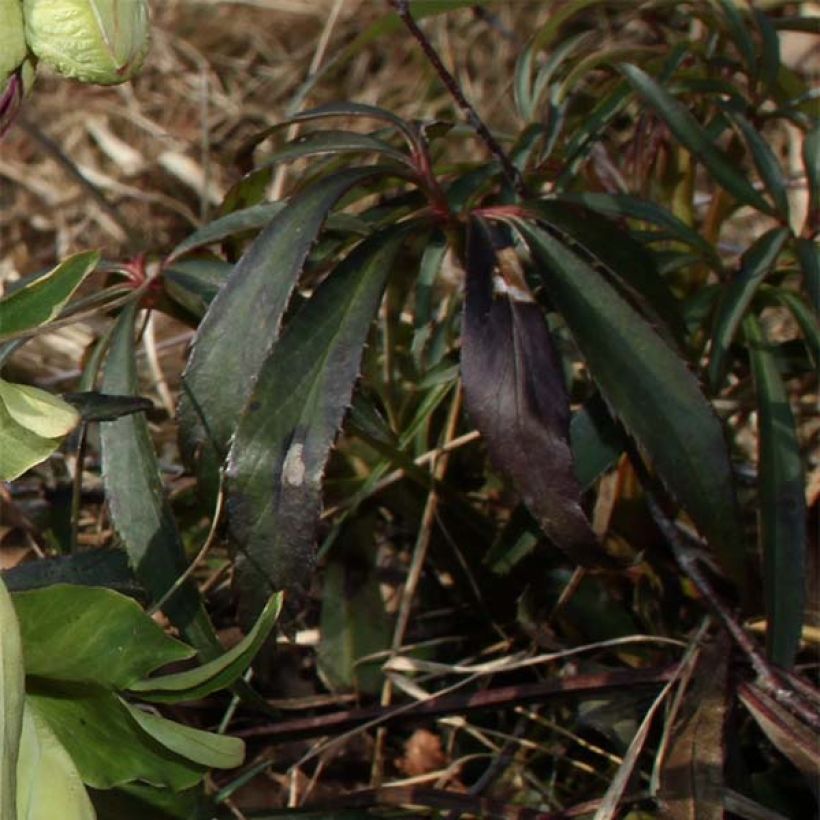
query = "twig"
{"x": 770, "y": 680}
{"x": 68, "y": 165}
{"x": 438, "y": 468}
{"x": 512, "y": 173}
{"x": 438, "y": 705}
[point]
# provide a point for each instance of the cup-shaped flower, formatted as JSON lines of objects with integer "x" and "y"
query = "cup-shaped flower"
{"x": 95, "y": 41}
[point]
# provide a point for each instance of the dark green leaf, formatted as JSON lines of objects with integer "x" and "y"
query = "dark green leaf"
{"x": 767, "y": 165}
{"x": 330, "y": 142}
{"x": 633, "y": 266}
{"x": 769, "y": 50}
{"x": 139, "y": 512}
{"x": 218, "y": 673}
{"x": 105, "y": 742}
{"x": 286, "y": 430}
{"x": 514, "y": 392}
{"x": 782, "y": 502}
{"x": 220, "y": 371}
{"x": 805, "y": 318}
{"x": 193, "y": 283}
{"x": 78, "y": 633}
{"x": 99, "y": 567}
{"x": 246, "y": 219}
{"x": 597, "y": 441}
{"x": 755, "y": 265}
{"x": 354, "y": 623}
{"x": 42, "y": 300}
{"x": 808, "y": 255}
{"x": 645, "y": 211}
{"x": 738, "y": 28}
{"x": 692, "y": 136}
{"x": 94, "y": 406}
{"x": 651, "y": 390}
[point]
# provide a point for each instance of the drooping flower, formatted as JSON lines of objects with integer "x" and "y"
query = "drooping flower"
{"x": 95, "y": 41}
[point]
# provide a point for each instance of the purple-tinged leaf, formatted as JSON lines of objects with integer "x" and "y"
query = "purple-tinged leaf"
{"x": 650, "y": 389}
{"x": 514, "y": 392}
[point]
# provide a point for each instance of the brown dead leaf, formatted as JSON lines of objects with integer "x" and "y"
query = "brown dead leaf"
{"x": 422, "y": 754}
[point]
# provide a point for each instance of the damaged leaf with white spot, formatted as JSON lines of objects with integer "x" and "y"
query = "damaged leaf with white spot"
{"x": 284, "y": 436}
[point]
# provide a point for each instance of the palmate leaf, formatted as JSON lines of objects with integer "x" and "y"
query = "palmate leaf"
{"x": 243, "y": 320}
{"x": 107, "y": 745}
{"x": 284, "y": 435}
{"x": 78, "y": 633}
{"x": 782, "y": 502}
{"x": 514, "y": 392}
{"x": 649, "y": 388}
{"x": 140, "y": 514}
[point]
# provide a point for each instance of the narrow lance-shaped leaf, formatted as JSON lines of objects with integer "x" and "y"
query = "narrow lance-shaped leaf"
{"x": 782, "y": 502}
{"x": 649, "y": 388}
{"x": 243, "y": 322}
{"x": 286, "y": 430}
{"x": 218, "y": 673}
{"x": 692, "y": 136}
{"x": 139, "y": 511}
{"x": 756, "y": 263}
{"x": 514, "y": 392}
{"x": 39, "y": 302}
{"x": 12, "y": 694}
{"x": 199, "y": 747}
{"x": 768, "y": 166}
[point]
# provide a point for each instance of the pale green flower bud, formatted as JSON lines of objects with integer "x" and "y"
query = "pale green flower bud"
{"x": 95, "y": 41}
{"x": 12, "y": 39}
